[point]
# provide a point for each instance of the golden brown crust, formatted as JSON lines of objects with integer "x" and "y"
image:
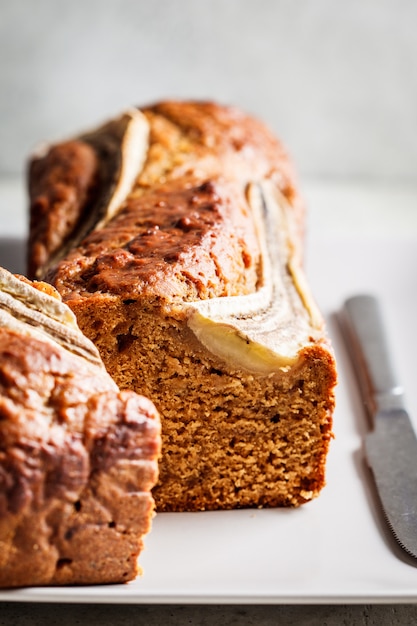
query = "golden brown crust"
{"x": 201, "y": 158}
{"x": 62, "y": 184}
{"x": 222, "y": 137}
{"x": 78, "y": 459}
{"x": 172, "y": 244}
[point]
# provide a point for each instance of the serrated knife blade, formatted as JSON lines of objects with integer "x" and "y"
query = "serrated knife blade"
{"x": 391, "y": 446}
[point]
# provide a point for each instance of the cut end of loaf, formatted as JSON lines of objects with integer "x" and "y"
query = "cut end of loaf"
{"x": 194, "y": 294}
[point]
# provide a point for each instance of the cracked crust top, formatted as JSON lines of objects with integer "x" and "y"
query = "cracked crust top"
{"x": 184, "y": 231}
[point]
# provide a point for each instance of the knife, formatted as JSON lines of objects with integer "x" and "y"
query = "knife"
{"x": 391, "y": 446}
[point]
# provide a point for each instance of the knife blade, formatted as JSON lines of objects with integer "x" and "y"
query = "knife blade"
{"x": 391, "y": 445}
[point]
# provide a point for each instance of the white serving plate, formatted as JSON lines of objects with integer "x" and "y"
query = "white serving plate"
{"x": 335, "y": 549}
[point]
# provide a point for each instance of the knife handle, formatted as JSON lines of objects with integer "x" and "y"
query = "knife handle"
{"x": 370, "y": 354}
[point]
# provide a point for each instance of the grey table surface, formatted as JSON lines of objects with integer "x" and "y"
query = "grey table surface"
{"x": 338, "y": 615}
{"x": 30, "y": 614}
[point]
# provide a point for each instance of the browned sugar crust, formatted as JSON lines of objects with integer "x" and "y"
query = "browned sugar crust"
{"x": 189, "y": 137}
{"x": 77, "y": 462}
{"x": 175, "y": 244}
{"x": 188, "y": 207}
{"x": 63, "y": 183}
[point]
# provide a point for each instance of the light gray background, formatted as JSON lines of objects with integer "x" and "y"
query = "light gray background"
{"x": 336, "y": 80}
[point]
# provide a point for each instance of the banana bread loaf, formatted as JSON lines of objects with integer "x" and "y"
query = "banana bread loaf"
{"x": 77, "y": 456}
{"x": 182, "y": 261}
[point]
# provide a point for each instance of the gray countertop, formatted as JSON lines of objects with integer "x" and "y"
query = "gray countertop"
{"x": 307, "y": 615}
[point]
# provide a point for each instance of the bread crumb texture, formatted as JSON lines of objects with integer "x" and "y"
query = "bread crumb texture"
{"x": 230, "y": 438}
